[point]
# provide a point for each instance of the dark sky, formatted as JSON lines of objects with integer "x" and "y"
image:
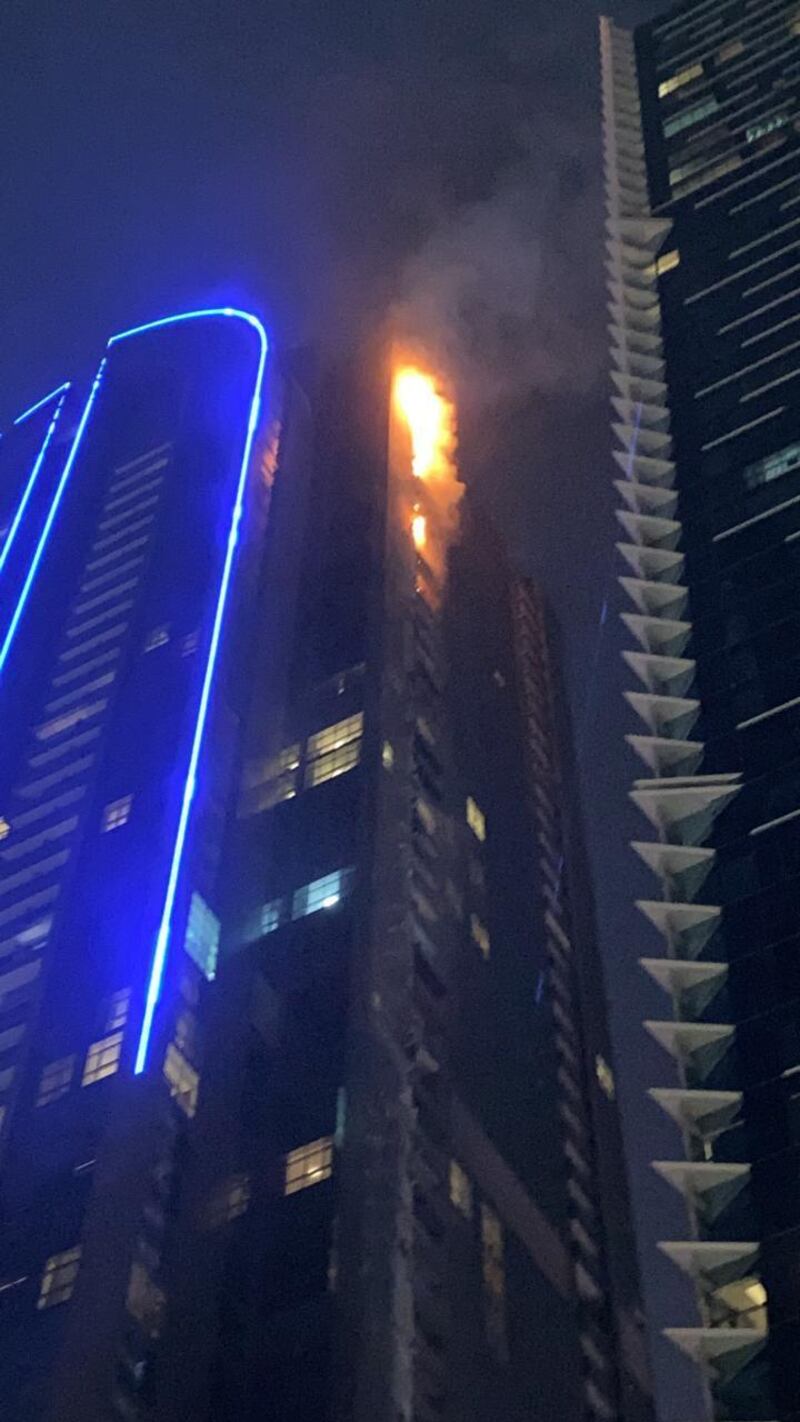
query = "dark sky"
{"x": 318, "y": 160}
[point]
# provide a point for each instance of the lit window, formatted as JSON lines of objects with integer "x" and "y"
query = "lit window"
{"x": 183, "y": 1080}
{"x": 341, "y": 733}
{"x": 605, "y": 1076}
{"x": 145, "y": 1301}
{"x": 730, "y": 51}
{"x": 202, "y": 937}
{"x": 157, "y": 638}
{"x": 333, "y": 763}
{"x": 677, "y": 81}
{"x": 387, "y": 755}
{"x": 668, "y": 262}
{"x": 117, "y": 813}
{"x": 190, "y": 644}
{"x": 324, "y": 893}
{"x": 460, "y": 1189}
{"x": 118, "y": 1006}
{"x": 688, "y": 117}
{"x": 102, "y": 1059}
{"x": 58, "y": 1278}
{"x": 266, "y": 919}
{"x": 772, "y": 467}
{"x": 5, "y": 828}
{"x": 308, "y": 1165}
{"x": 476, "y": 819}
{"x": 494, "y": 1280}
{"x": 55, "y": 1080}
{"x": 426, "y": 815}
{"x": 480, "y": 934}
{"x": 767, "y": 125}
{"x": 269, "y": 782}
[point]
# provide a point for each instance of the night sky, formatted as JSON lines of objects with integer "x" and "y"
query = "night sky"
{"x": 321, "y": 161}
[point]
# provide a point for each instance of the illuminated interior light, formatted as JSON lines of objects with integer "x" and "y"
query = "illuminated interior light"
{"x": 156, "y": 976}
{"x": 52, "y": 512}
{"x": 331, "y": 901}
{"x": 5, "y": 828}
{"x": 60, "y": 396}
{"x": 40, "y": 404}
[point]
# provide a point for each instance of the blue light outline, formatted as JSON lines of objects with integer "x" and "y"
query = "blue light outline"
{"x": 53, "y": 510}
{"x": 34, "y": 474}
{"x": 60, "y": 390}
{"x": 156, "y": 977}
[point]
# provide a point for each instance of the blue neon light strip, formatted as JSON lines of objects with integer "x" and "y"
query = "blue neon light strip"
{"x": 155, "y": 981}
{"x": 50, "y": 520}
{"x": 34, "y": 474}
{"x": 45, "y": 400}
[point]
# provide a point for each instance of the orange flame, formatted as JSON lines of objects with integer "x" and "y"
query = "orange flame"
{"x": 419, "y": 530}
{"x": 430, "y": 419}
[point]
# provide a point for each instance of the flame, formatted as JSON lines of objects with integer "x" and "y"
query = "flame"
{"x": 430, "y": 419}
{"x": 419, "y": 530}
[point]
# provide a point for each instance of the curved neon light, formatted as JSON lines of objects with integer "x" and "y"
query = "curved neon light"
{"x": 39, "y": 461}
{"x": 45, "y": 400}
{"x": 156, "y": 976}
{"x": 51, "y": 515}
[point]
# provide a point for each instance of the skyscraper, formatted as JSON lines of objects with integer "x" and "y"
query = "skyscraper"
{"x": 702, "y": 161}
{"x": 309, "y": 1109}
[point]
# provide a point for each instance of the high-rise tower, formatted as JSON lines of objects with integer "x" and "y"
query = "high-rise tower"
{"x": 702, "y": 161}
{"x": 309, "y": 1107}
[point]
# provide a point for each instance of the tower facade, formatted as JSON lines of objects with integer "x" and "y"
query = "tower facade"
{"x": 309, "y": 1108}
{"x": 702, "y": 163}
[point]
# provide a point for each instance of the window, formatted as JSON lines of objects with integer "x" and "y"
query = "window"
{"x": 460, "y": 1189}
{"x": 772, "y": 467}
{"x": 480, "y": 934}
{"x": 102, "y": 1059}
{"x": 668, "y": 262}
{"x": 202, "y": 937}
{"x": 269, "y": 782}
{"x": 265, "y": 920}
{"x": 182, "y": 1079}
{"x": 190, "y": 644}
{"x": 55, "y": 1080}
{"x": 387, "y": 755}
{"x": 308, "y": 1165}
{"x": 5, "y": 828}
{"x": 324, "y": 893}
{"x": 730, "y": 51}
{"x": 765, "y": 126}
{"x": 145, "y": 1300}
{"x": 605, "y": 1076}
{"x": 476, "y": 819}
{"x": 117, "y": 813}
{"x": 494, "y": 1280}
{"x": 229, "y": 1201}
{"x": 677, "y": 81}
{"x": 118, "y": 1005}
{"x": 58, "y": 1278}
{"x": 691, "y": 116}
{"x": 157, "y": 638}
{"x": 334, "y": 750}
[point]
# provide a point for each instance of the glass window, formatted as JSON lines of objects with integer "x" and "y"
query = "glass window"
{"x": 333, "y": 763}
{"x": 387, "y": 755}
{"x": 190, "y": 644}
{"x": 334, "y": 737}
{"x": 688, "y": 117}
{"x": 772, "y": 467}
{"x": 158, "y": 637}
{"x": 269, "y": 782}
{"x": 460, "y": 1189}
{"x": 324, "y": 893}
{"x": 118, "y": 1005}
{"x": 494, "y": 1280}
{"x": 145, "y": 1301}
{"x": 5, "y": 828}
{"x": 480, "y": 934}
{"x": 229, "y": 1201}
{"x": 202, "y": 937}
{"x": 476, "y": 819}
{"x": 183, "y": 1080}
{"x": 266, "y": 919}
{"x": 117, "y": 813}
{"x": 55, "y": 1080}
{"x": 308, "y": 1165}
{"x": 605, "y": 1076}
{"x": 677, "y": 81}
{"x": 58, "y": 1277}
{"x": 668, "y": 262}
{"x": 102, "y": 1059}
{"x": 765, "y": 126}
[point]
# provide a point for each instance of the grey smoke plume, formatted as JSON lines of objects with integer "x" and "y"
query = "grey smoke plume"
{"x": 496, "y": 297}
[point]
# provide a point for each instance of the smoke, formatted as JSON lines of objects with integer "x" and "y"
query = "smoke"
{"x": 497, "y": 294}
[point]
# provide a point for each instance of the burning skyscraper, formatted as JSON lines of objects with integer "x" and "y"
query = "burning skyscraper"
{"x": 308, "y": 1104}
